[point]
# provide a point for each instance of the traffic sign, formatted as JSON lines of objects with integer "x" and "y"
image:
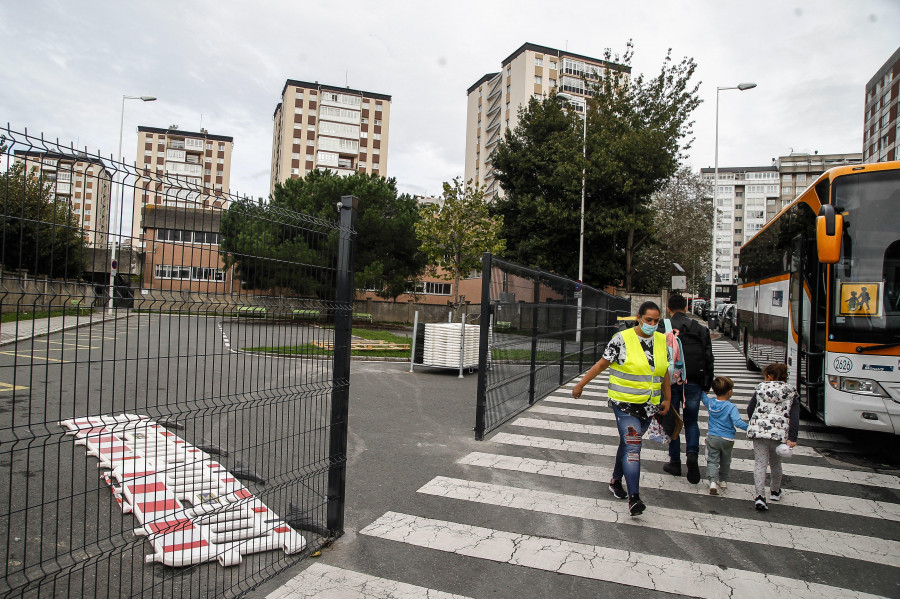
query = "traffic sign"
{"x": 114, "y": 265}
{"x": 578, "y": 286}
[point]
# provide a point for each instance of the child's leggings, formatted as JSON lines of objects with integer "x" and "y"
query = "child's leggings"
{"x": 764, "y": 452}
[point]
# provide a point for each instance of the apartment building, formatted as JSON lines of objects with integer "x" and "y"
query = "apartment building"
{"x": 326, "y": 127}
{"x": 80, "y": 181}
{"x": 494, "y": 100}
{"x": 179, "y": 169}
{"x": 741, "y": 196}
{"x": 882, "y": 127}
{"x": 797, "y": 171}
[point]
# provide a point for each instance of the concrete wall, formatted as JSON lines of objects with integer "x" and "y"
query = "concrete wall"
{"x": 21, "y": 292}
{"x": 661, "y": 299}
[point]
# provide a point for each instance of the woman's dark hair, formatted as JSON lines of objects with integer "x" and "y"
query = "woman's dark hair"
{"x": 648, "y": 306}
{"x": 776, "y": 371}
{"x": 722, "y": 385}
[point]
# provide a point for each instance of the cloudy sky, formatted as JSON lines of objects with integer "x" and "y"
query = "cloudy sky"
{"x": 65, "y": 66}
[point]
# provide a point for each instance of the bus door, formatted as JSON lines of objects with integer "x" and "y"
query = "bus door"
{"x": 807, "y": 366}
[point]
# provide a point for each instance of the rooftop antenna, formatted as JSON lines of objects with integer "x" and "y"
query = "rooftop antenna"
{"x": 201, "y": 121}
{"x": 347, "y": 78}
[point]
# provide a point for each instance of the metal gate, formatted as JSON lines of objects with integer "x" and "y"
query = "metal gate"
{"x": 168, "y": 425}
{"x": 538, "y": 330}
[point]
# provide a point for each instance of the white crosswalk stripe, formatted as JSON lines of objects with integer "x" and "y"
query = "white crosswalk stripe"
{"x": 554, "y": 461}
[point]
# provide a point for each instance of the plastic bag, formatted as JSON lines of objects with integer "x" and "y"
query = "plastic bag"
{"x": 784, "y": 450}
{"x": 656, "y": 433}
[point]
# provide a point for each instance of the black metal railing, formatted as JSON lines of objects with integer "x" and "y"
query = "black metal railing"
{"x": 197, "y": 348}
{"x": 538, "y": 330}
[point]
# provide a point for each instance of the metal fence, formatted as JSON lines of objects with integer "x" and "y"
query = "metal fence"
{"x": 187, "y": 438}
{"x": 538, "y": 330}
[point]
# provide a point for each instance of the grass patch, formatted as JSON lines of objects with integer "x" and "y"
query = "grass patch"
{"x": 312, "y": 350}
{"x": 16, "y": 316}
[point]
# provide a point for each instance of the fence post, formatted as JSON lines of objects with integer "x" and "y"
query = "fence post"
{"x": 483, "y": 349}
{"x": 562, "y": 342}
{"x": 340, "y": 392}
{"x": 534, "y": 334}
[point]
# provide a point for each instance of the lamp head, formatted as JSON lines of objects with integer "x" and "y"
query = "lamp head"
{"x": 746, "y": 86}
{"x": 148, "y": 98}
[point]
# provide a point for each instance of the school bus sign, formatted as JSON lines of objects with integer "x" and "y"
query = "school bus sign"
{"x": 860, "y": 299}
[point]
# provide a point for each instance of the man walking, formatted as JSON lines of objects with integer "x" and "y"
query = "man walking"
{"x": 698, "y": 363}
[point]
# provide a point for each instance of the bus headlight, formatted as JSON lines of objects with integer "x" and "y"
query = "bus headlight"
{"x": 854, "y": 385}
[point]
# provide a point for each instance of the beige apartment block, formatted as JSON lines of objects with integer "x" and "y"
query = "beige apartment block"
{"x": 179, "y": 169}
{"x": 82, "y": 182}
{"x": 882, "y": 127}
{"x": 326, "y": 127}
{"x": 799, "y": 170}
{"x": 494, "y": 100}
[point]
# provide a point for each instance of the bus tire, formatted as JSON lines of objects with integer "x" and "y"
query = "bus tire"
{"x": 751, "y": 366}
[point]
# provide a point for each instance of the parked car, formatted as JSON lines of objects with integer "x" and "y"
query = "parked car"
{"x": 697, "y": 308}
{"x": 728, "y": 321}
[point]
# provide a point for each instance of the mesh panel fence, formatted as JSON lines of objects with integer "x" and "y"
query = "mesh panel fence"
{"x": 172, "y": 413}
{"x": 543, "y": 334}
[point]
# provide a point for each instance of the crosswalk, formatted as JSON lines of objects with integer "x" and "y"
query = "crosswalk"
{"x": 534, "y": 499}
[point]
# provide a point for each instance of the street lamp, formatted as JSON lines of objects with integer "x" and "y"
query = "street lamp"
{"x": 580, "y": 102}
{"x": 712, "y": 281}
{"x": 118, "y": 207}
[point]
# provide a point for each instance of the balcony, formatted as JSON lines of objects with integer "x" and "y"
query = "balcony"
{"x": 176, "y": 144}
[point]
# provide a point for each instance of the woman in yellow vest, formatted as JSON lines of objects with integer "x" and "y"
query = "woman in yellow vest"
{"x": 638, "y": 390}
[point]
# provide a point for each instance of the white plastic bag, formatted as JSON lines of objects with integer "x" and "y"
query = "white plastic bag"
{"x": 784, "y": 450}
{"x": 656, "y": 433}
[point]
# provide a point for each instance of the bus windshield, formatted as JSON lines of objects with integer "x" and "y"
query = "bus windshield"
{"x": 866, "y": 293}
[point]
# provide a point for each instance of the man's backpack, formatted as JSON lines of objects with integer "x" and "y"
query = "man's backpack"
{"x": 675, "y": 351}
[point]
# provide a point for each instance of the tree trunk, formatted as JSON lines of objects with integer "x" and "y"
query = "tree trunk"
{"x": 629, "y": 258}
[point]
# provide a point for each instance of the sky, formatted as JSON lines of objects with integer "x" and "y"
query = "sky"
{"x": 222, "y": 64}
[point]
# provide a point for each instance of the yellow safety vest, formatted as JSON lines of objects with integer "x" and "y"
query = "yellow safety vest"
{"x": 634, "y": 381}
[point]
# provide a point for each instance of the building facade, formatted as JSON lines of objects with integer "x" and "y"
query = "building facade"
{"x": 494, "y": 100}
{"x": 741, "y": 197}
{"x": 179, "y": 168}
{"x": 881, "y": 126}
{"x": 797, "y": 171}
{"x": 82, "y": 182}
{"x": 326, "y": 127}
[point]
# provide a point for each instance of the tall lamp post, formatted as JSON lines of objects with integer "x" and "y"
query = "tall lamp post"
{"x": 118, "y": 207}
{"x": 580, "y": 102}
{"x": 712, "y": 281}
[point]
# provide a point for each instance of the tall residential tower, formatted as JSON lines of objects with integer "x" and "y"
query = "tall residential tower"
{"x": 326, "y": 127}
{"x": 882, "y": 127}
{"x": 494, "y": 100}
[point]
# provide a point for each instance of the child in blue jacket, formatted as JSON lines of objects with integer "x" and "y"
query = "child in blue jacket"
{"x": 724, "y": 418}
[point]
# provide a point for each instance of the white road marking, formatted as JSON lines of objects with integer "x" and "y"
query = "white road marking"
{"x": 629, "y": 568}
{"x": 855, "y": 477}
{"x": 789, "y": 536}
{"x": 320, "y": 581}
{"x": 853, "y": 506}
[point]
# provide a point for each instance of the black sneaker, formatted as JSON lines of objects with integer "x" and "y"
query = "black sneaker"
{"x": 672, "y": 468}
{"x": 693, "y": 473}
{"x": 635, "y": 505}
{"x": 615, "y": 487}
{"x": 760, "y": 503}
{"x": 775, "y": 495}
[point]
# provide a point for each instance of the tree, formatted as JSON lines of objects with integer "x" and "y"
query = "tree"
{"x": 637, "y": 131}
{"x": 40, "y": 233}
{"x": 682, "y": 222}
{"x": 456, "y": 234}
{"x": 386, "y": 252}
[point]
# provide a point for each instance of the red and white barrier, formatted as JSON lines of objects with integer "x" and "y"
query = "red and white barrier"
{"x": 190, "y": 507}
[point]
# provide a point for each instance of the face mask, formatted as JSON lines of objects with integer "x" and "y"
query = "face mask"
{"x": 648, "y": 329}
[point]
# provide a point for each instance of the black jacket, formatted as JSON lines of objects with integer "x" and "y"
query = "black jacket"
{"x": 698, "y": 355}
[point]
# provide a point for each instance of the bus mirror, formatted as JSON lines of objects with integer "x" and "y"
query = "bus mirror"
{"x": 829, "y": 232}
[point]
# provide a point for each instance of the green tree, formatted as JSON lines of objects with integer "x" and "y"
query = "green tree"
{"x": 681, "y": 233}
{"x": 257, "y": 235}
{"x": 40, "y": 233}
{"x": 637, "y": 130}
{"x": 456, "y": 234}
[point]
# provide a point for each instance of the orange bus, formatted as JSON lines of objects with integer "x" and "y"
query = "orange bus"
{"x": 819, "y": 289}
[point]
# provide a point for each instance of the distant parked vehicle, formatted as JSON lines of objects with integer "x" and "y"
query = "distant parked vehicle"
{"x": 698, "y": 306}
{"x": 728, "y": 321}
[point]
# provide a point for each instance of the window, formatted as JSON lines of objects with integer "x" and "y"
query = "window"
{"x": 295, "y": 156}
{"x": 801, "y": 179}
{"x": 738, "y": 219}
{"x": 376, "y": 136}
{"x": 221, "y": 147}
{"x": 552, "y": 82}
{"x": 787, "y": 190}
{"x": 310, "y": 142}
{"x": 362, "y": 165}
{"x": 552, "y": 64}
{"x": 366, "y": 121}
{"x": 297, "y": 141}
{"x": 220, "y": 160}
{"x": 298, "y": 111}
{"x": 299, "y": 95}
{"x": 538, "y": 62}
{"x": 309, "y": 157}
{"x": 538, "y": 79}
{"x": 786, "y": 178}
{"x": 376, "y": 151}
{"x": 310, "y": 127}
{"x": 737, "y": 231}
{"x": 363, "y": 134}
{"x": 209, "y": 146}
{"x": 377, "y": 122}
{"x": 378, "y": 108}
{"x": 737, "y": 244}
{"x": 508, "y": 87}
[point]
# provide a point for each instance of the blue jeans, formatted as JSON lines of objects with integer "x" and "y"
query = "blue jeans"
{"x": 687, "y": 395}
{"x": 628, "y": 456}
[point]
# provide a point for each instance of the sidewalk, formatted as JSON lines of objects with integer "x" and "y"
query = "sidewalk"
{"x": 12, "y": 332}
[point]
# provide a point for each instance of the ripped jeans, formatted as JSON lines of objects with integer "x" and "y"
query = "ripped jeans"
{"x": 628, "y": 457}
